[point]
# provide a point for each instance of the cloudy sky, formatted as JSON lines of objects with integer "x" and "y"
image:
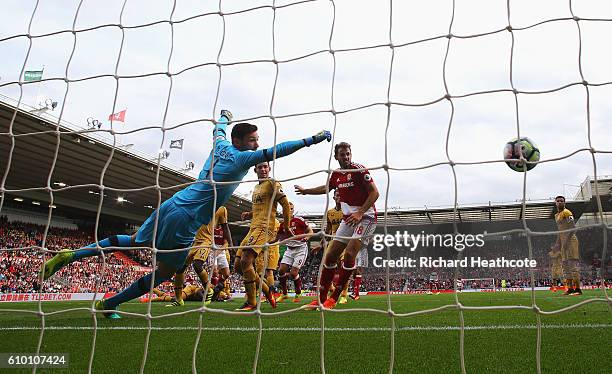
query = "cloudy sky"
{"x": 545, "y": 58}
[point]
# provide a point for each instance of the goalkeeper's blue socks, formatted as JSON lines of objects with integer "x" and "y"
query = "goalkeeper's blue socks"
{"x": 113, "y": 241}
{"x": 136, "y": 289}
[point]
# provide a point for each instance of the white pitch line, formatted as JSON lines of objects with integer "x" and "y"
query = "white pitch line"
{"x": 314, "y": 329}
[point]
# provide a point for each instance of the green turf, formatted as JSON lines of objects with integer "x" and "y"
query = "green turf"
{"x": 228, "y": 343}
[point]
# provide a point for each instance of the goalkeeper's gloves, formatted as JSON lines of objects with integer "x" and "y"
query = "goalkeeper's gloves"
{"x": 318, "y": 138}
{"x": 227, "y": 114}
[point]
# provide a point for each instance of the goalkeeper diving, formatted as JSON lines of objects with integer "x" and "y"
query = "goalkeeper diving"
{"x": 179, "y": 217}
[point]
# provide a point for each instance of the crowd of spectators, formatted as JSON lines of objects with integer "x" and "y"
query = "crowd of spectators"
{"x": 21, "y": 257}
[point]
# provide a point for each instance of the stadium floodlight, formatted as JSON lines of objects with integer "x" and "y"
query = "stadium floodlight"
{"x": 60, "y": 184}
{"x": 121, "y": 200}
{"x": 93, "y": 123}
{"x": 35, "y": 203}
{"x": 96, "y": 193}
{"x": 45, "y": 105}
{"x": 189, "y": 165}
{"x": 18, "y": 199}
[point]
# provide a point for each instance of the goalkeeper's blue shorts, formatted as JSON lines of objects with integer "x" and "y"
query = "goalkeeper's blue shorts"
{"x": 175, "y": 229}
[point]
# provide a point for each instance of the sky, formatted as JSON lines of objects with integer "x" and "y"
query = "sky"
{"x": 417, "y": 134}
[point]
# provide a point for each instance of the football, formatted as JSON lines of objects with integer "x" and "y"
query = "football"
{"x": 525, "y": 146}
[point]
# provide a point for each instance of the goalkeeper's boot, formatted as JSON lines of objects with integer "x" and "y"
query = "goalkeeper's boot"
{"x": 297, "y": 298}
{"x": 329, "y": 303}
{"x": 109, "y": 315}
{"x": 355, "y": 297}
{"x": 57, "y": 262}
{"x": 342, "y": 300}
{"x": 209, "y": 296}
{"x": 246, "y": 307}
{"x": 176, "y": 303}
{"x": 282, "y": 298}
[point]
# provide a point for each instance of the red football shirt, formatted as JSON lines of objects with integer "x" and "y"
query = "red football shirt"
{"x": 219, "y": 236}
{"x": 352, "y": 186}
{"x": 299, "y": 226}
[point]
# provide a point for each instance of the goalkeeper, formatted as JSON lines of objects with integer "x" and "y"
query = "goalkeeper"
{"x": 179, "y": 217}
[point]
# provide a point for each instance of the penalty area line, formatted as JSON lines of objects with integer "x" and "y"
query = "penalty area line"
{"x": 313, "y": 329}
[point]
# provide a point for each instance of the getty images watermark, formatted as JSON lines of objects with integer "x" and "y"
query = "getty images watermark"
{"x": 458, "y": 242}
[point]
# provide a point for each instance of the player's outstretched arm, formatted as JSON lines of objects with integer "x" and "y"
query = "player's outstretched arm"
{"x": 283, "y": 149}
{"x": 320, "y": 190}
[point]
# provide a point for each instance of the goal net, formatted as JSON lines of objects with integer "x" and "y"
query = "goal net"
{"x": 124, "y": 97}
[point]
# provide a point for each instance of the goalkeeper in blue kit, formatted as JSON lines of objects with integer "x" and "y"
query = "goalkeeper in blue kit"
{"x": 181, "y": 215}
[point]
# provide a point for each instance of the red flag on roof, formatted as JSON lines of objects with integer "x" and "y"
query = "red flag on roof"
{"x": 119, "y": 116}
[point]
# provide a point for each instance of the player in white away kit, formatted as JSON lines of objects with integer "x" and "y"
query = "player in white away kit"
{"x": 358, "y": 193}
{"x": 295, "y": 255}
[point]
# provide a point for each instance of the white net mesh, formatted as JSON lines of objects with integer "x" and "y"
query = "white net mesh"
{"x": 386, "y": 68}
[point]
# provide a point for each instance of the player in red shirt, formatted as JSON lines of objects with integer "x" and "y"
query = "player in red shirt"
{"x": 358, "y": 193}
{"x": 220, "y": 262}
{"x": 295, "y": 255}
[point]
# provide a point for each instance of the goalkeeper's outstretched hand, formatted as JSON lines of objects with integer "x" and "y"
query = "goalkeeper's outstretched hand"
{"x": 321, "y": 136}
{"x": 227, "y": 114}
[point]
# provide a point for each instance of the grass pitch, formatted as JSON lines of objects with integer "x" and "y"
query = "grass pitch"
{"x": 496, "y": 341}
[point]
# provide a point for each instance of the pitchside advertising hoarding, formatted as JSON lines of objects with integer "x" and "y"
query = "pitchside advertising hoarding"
{"x": 33, "y": 297}
{"x": 26, "y": 297}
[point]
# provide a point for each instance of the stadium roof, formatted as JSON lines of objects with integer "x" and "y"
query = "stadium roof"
{"x": 583, "y": 203}
{"x": 81, "y": 158}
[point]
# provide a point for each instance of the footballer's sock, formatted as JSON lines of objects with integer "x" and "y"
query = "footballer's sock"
{"x": 179, "y": 282}
{"x": 345, "y": 290}
{"x": 298, "y": 285}
{"x": 203, "y": 275}
{"x": 112, "y": 241}
{"x": 138, "y": 288}
{"x": 265, "y": 288}
{"x": 226, "y": 287}
{"x": 163, "y": 298}
{"x": 158, "y": 293}
{"x": 269, "y": 280}
{"x": 250, "y": 289}
{"x": 356, "y": 284}
{"x": 344, "y": 274}
{"x": 327, "y": 275}
{"x": 249, "y": 275}
{"x": 282, "y": 280}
